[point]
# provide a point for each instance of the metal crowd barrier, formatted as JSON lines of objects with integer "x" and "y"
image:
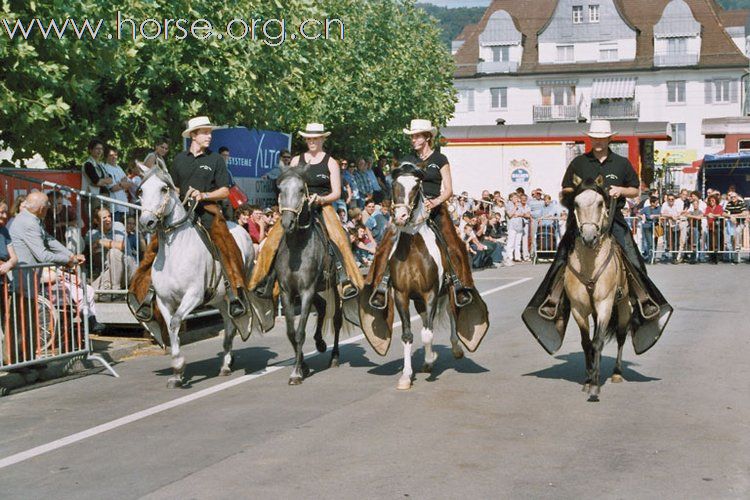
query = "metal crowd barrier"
{"x": 44, "y": 311}
{"x": 698, "y": 238}
{"x": 691, "y": 238}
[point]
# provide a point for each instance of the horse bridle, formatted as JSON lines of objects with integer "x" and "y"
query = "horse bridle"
{"x": 298, "y": 209}
{"x": 609, "y": 215}
{"x": 410, "y": 207}
{"x": 160, "y": 214}
{"x": 590, "y": 283}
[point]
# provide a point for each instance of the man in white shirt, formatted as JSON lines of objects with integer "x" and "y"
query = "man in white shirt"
{"x": 676, "y": 226}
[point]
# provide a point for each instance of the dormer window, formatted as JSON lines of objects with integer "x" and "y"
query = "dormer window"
{"x": 593, "y": 13}
{"x": 564, "y": 53}
{"x": 677, "y": 45}
{"x": 608, "y": 52}
{"x": 500, "y": 54}
{"x": 577, "y": 14}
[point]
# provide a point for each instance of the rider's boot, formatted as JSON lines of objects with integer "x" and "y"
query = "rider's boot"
{"x": 458, "y": 269}
{"x": 380, "y": 272}
{"x": 348, "y": 290}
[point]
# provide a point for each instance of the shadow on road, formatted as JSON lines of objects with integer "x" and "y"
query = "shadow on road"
{"x": 573, "y": 369}
{"x": 444, "y": 362}
{"x": 251, "y": 359}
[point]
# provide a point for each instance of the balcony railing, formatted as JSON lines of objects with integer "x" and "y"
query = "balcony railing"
{"x": 676, "y": 59}
{"x": 554, "y": 113}
{"x": 497, "y": 67}
{"x": 617, "y": 110}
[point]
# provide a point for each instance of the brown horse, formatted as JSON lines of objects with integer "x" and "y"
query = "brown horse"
{"x": 596, "y": 283}
{"x": 416, "y": 267}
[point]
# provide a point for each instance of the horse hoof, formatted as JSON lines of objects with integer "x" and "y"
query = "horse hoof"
{"x": 593, "y": 398}
{"x": 334, "y": 363}
{"x": 617, "y": 378}
{"x": 295, "y": 380}
{"x": 320, "y": 345}
{"x": 174, "y": 383}
{"x": 404, "y": 384}
{"x": 225, "y": 372}
{"x": 458, "y": 354}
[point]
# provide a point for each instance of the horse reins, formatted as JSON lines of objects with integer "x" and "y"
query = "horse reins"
{"x": 160, "y": 213}
{"x": 298, "y": 209}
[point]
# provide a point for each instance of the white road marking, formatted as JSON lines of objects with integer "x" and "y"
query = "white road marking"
{"x": 140, "y": 415}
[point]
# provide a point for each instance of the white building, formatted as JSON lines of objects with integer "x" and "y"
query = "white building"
{"x": 541, "y": 61}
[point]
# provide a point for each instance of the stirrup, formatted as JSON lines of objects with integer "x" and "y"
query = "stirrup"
{"x": 646, "y": 303}
{"x": 348, "y": 290}
{"x": 264, "y": 290}
{"x": 380, "y": 291}
{"x": 548, "y": 304}
{"x": 237, "y": 305}
{"x": 459, "y": 288}
{"x": 145, "y": 310}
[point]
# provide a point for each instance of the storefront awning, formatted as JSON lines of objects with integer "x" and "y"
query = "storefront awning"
{"x": 614, "y": 88}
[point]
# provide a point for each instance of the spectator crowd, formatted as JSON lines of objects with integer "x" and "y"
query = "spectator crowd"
{"x": 498, "y": 230}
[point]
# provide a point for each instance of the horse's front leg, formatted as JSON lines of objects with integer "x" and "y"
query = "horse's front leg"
{"x": 588, "y": 349}
{"x": 428, "y": 324}
{"x": 401, "y": 300}
{"x": 338, "y": 321}
{"x": 300, "y": 367}
{"x": 603, "y": 314}
{"x": 174, "y": 322}
{"x": 320, "y": 308}
{"x": 229, "y": 331}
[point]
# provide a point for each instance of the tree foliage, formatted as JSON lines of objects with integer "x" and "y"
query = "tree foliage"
{"x": 55, "y": 94}
{"x": 452, "y": 19}
{"x": 734, "y": 4}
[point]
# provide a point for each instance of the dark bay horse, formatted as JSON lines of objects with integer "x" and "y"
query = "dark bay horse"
{"x": 305, "y": 271}
{"x": 595, "y": 281}
{"x": 416, "y": 274}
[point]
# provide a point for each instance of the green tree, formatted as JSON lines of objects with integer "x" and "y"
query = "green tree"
{"x": 55, "y": 94}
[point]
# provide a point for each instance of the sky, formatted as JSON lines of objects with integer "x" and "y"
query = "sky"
{"x": 459, "y": 3}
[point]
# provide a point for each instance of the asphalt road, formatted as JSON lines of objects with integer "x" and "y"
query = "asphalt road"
{"x": 508, "y": 421}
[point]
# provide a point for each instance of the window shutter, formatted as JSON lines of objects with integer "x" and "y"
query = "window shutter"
{"x": 733, "y": 90}
{"x": 709, "y": 91}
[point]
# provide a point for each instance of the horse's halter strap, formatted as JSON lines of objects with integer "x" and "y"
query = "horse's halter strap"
{"x": 298, "y": 209}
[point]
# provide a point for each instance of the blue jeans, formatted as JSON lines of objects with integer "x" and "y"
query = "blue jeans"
{"x": 647, "y": 237}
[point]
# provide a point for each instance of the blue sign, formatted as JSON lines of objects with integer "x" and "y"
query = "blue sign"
{"x": 252, "y": 152}
{"x": 519, "y": 176}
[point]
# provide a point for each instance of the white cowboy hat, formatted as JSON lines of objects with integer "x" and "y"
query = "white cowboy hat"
{"x": 600, "y": 129}
{"x": 196, "y": 123}
{"x": 420, "y": 126}
{"x": 314, "y": 130}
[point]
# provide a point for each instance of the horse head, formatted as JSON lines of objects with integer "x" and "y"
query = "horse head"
{"x": 293, "y": 196}
{"x": 590, "y": 203}
{"x": 407, "y": 191}
{"x": 158, "y": 197}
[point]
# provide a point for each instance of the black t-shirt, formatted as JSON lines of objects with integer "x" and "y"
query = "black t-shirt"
{"x": 205, "y": 172}
{"x": 616, "y": 171}
{"x": 95, "y": 172}
{"x": 432, "y": 177}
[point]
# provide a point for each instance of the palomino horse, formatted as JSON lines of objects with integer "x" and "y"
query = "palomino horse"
{"x": 185, "y": 274}
{"x": 595, "y": 281}
{"x": 305, "y": 270}
{"x": 416, "y": 269}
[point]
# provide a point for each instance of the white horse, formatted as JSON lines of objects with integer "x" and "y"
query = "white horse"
{"x": 185, "y": 275}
